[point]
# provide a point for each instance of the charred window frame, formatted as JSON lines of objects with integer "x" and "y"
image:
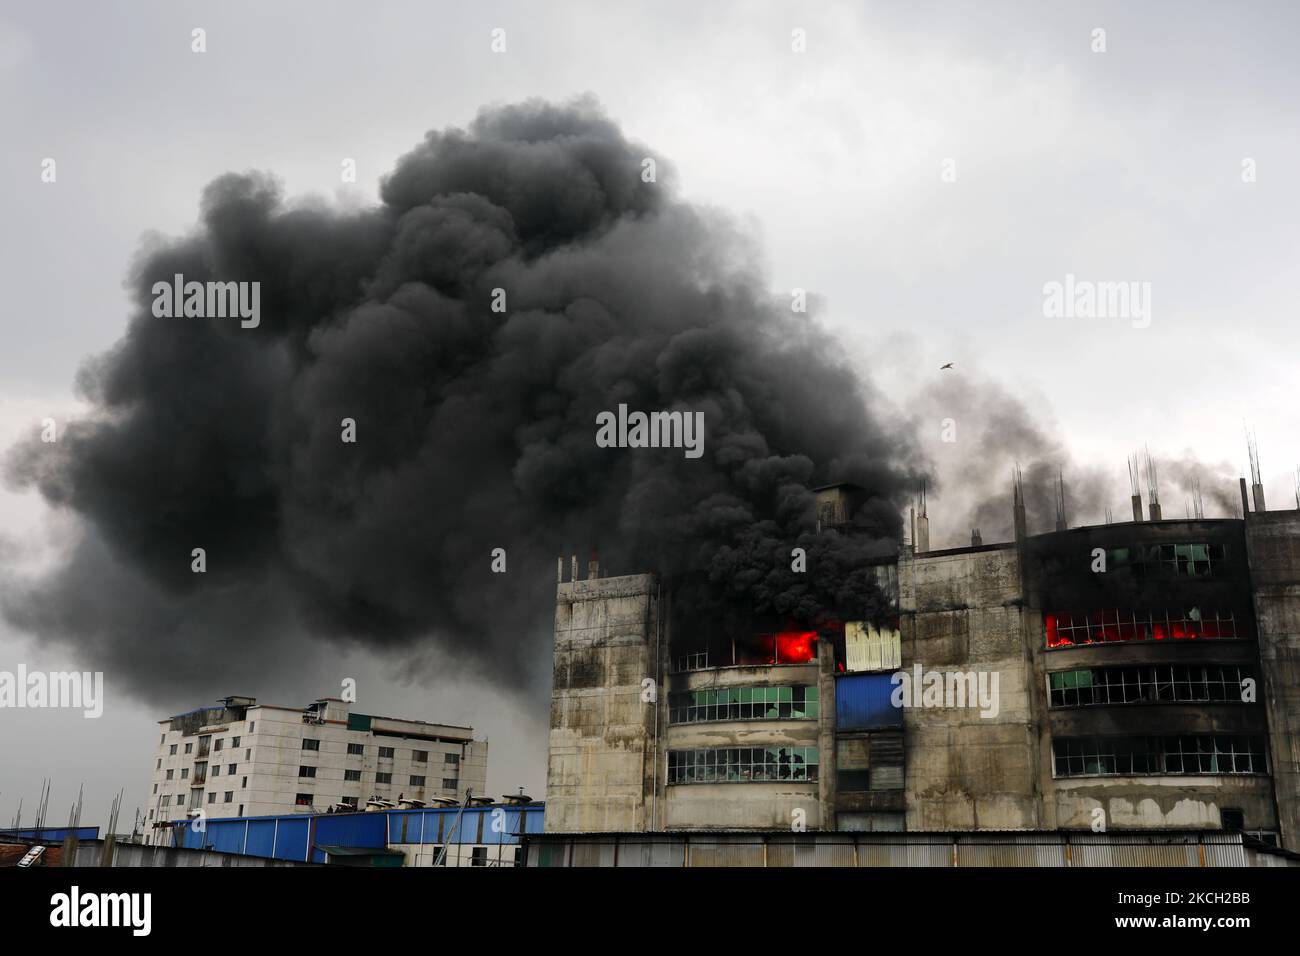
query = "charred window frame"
{"x": 761, "y": 649}
{"x": 743, "y": 765}
{"x": 1188, "y": 559}
{"x": 1123, "y": 625}
{"x": 793, "y": 702}
{"x": 1183, "y": 755}
{"x": 693, "y": 662}
{"x": 1155, "y": 684}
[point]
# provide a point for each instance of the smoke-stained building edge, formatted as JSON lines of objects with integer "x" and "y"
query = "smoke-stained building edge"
{"x": 1148, "y": 678}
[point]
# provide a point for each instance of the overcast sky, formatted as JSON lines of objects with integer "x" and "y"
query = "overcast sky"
{"x": 1125, "y": 165}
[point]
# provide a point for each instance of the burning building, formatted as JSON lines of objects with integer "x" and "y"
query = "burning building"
{"x": 1139, "y": 676}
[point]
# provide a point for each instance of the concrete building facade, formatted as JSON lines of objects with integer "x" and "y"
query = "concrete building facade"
{"x": 1138, "y": 676}
{"x": 242, "y": 758}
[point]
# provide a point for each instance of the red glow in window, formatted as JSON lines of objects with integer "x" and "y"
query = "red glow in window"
{"x": 796, "y": 647}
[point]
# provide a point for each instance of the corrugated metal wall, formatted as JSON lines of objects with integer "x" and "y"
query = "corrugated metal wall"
{"x": 286, "y": 837}
{"x": 991, "y": 849}
{"x": 862, "y": 702}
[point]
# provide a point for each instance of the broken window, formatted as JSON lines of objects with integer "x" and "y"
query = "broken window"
{"x": 1194, "y": 560}
{"x": 1119, "y": 625}
{"x": 754, "y": 649}
{"x": 742, "y": 765}
{"x": 1159, "y": 683}
{"x": 795, "y": 702}
{"x": 1184, "y": 754}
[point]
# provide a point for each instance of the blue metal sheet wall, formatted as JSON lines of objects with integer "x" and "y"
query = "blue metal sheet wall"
{"x": 285, "y": 837}
{"x": 53, "y": 833}
{"x": 862, "y": 702}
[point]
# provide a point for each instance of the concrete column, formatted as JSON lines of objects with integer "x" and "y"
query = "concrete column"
{"x": 826, "y": 785}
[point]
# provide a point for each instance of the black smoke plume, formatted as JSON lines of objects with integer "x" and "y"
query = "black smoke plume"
{"x": 475, "y": 428}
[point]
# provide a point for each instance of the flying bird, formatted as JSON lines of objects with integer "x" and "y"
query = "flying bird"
{"x": 942, "y": 367}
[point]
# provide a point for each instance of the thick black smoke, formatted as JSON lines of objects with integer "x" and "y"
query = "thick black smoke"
{"x": 475, "y": 429}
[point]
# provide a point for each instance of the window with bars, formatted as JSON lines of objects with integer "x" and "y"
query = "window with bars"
{"x": 1119, "y": 625}
{"x": 742, "y": 765}
{"x": 795, "y": 702}
{"x": 1187, "y": 754}
{"x": 1158, "y": 683}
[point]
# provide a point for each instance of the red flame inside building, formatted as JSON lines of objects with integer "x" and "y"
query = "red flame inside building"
{"x": 796, "y": 647}
{"x": 1117, "y": 625}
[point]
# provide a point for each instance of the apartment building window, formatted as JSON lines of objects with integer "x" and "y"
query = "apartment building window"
{"x": 159, "y": 765}
{"x": 742, "y": 765}
{"x": 252, "y": 726}
{"x": 306, "y": 771}
{"x": 309, "y": 743}
{"x": 155, "y": 788}
{"x": 385, "y": 753}
{"x": 798, "y": 702}
{"x": 172, "y": 751}
{"x": 1161, "y": 683}
{"x": 171, "y": 774}
{"x": 449, "y": 783}
{"x": 230, "y": 797}
{"x": 478, "y": 856}
{"x": 243, "y": 782}
{"x": 1176, "y": 755}
{"x": 1118, "y": 625}
{"x": 349, "y": 801}
{"x": 212, "y": 797}
{"x": 416, "y": 781}
{"x": 162, "y": 740}
{"x": 217, "y": 745}
{"x": 189, "y": 748}
{"x": 167, "y": 800}
{"x": 451, "y": 760}
{"x": 230, "y": 770}
{"x": 356, "y": 750}
{"x": 234, "y": 742}
{"x": 383, "y": 778}
{"x": 216, "y": 770}
{"x": 185, "y": 773}
{"x": 352, "y": 775}
{"x": 420, "y": 756}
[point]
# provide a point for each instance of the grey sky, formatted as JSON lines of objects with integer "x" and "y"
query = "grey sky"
{"x": 1124, "y": 165}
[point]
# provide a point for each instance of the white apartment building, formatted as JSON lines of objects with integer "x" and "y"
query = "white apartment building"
{"x": 242, "y": 758}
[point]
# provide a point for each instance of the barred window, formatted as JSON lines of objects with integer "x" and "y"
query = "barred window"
{"x": 1118, "y": 625}
{"x": 1116, "y": 756}
{"x": 1159, "y": 683}
{"x": 742, "y": 765}
{"x": 796, "y": 702}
